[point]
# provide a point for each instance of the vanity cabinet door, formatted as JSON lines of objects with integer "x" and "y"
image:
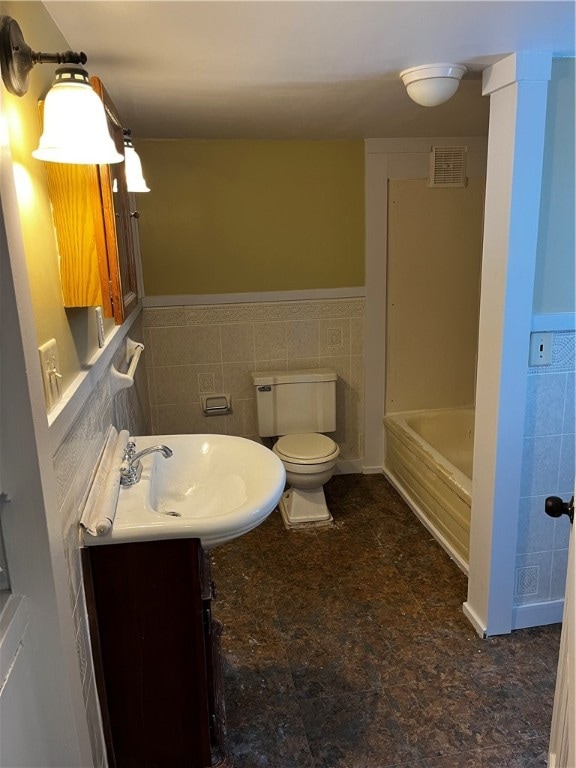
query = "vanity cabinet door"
{"x": 147, "y": 619}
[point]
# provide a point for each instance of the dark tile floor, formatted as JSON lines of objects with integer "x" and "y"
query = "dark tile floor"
{"x": 346, "y": 647}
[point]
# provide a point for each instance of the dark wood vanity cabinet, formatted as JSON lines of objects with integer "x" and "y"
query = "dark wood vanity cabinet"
{"x": 157, "y": 654}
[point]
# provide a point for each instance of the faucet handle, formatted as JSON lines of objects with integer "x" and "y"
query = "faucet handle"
{"x": 129, "y": 451}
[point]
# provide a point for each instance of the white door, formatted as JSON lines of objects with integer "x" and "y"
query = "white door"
{"x": 562, "y": 750}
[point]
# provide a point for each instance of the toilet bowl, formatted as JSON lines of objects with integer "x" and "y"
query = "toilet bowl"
{"x": 296, "y": 408}
{"x": 309, "y": 460}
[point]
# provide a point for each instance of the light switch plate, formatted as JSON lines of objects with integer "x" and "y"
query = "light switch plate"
{"x": 540, "y": 349}
{"x": 50, "y": 368}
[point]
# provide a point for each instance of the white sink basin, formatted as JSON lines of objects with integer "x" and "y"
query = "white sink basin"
{"x": 213, "y": 487}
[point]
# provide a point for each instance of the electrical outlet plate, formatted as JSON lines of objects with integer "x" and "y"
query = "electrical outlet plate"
{"x": 540, "y": 349}
{"x": 50, "y": 368}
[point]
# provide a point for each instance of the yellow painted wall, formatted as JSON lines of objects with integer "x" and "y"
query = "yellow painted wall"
{"x": 248, "y": 216}
{"x": 74, "y": 330}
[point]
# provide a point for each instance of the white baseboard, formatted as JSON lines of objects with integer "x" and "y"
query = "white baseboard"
{"x": 372, "y": 470}
{"x": 474, "y": 619}
{"x": 537, "y": 614}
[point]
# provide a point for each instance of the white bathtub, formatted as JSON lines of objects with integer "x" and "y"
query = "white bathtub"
{"x": 429, "y": 460}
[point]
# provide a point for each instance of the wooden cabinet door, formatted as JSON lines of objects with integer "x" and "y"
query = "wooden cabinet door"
{"x": 91, "y": 211}
{"x": 116, "y": 214}
{"x": 74, "y": 192}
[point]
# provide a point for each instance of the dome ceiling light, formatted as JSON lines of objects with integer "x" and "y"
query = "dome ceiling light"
{"x": 432, "y": 84}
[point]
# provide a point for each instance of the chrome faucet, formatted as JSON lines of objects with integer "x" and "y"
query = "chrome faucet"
{"x": 131, "y": 467}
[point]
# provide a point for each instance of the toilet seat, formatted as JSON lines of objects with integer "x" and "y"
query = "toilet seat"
{"x": 310, "y": 448}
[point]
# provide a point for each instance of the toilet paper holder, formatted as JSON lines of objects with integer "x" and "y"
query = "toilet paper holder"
{"x": 216, "y": 405}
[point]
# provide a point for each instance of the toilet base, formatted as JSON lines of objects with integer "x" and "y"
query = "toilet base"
{"x": 300, "y": 508}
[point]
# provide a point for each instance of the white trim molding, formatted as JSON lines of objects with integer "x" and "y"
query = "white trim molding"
{"x": 558, "y": 321}
{"x": 391, "y": 159}
{"x": 194, "y": 299}
{"x": 518, "y": 88}
{"x": 537, "y": 614}
{"x": 61, "y": 418}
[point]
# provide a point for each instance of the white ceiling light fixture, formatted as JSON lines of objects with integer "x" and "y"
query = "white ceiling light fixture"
{"x": 134, "y": 177}
{"x": 432, "y": 84}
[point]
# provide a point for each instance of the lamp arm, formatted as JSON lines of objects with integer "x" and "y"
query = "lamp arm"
{"x": 68, "y": 57}
{"x": 17, "y": 58}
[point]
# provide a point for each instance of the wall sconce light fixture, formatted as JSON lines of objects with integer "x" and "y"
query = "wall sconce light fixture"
{"x": 134, "y": 177}
{"x": 432, "y": 84}
{"x": 75, "y": 124}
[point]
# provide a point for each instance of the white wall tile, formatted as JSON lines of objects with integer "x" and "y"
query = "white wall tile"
{"x": 237, "y": 340}
{"x": 535, "y": 527}
{"x": 303, "y": 340}
{"x": 567, "y": 462}
{"x": 533, "y": 578}
{"x": 558, "y": 577}
{"x": 545, "y": 405}
{"x": 255, "y": 336}
{"x": 540, "y": 465}
{"x": 174, "y": 383}
{"x": 74, "y": 462}
{"x": 548, "y": 460}
{"x": 569, "y": 425}
{"x": 270, "y": 341}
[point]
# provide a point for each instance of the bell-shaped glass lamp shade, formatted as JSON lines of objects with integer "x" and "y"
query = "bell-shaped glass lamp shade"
{"x": 135, "y": 180}
{"x": 432, "y": 84}
{"x": 75, "y": 124}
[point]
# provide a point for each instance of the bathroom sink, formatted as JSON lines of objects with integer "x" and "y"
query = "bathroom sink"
{"x": 213, "y": 487}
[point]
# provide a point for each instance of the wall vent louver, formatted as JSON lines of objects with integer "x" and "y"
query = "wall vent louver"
{"x": 447, "y": 167}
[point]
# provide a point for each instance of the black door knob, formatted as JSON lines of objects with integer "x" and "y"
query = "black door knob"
{"x": 555, "y": 507}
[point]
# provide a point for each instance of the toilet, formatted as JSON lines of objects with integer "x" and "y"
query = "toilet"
{"x": 297, "y": 407}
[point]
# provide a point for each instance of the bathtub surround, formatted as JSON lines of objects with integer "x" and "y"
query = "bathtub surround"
{"x": 433, "y": 294}
{"x": 196, "y": 350}
{"x": 547, "y": 470}
{"x": 402, "y": 166}
{"x": 429, "y": 461}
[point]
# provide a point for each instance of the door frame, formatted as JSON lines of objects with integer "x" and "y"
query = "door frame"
{"x": 39, "y": 609}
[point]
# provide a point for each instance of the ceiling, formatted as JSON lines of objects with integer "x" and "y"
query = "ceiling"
{"x": 300, "y": 70}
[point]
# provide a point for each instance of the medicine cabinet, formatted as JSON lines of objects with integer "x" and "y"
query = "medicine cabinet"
{"x": 91, "y": 211}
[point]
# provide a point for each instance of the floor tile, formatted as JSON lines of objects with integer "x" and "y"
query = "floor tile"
{"x": 347, "y": 647}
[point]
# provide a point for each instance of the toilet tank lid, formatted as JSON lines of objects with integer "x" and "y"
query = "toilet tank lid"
{"x": 303, "y": 375}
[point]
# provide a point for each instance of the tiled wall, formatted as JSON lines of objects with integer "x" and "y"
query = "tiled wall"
{"x": 73, "y": 463}
{"x": 547, "y": 470}
{"x": 196, "y": 350}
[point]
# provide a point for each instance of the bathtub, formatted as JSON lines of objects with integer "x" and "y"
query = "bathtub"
{"x": 429, "y": 460}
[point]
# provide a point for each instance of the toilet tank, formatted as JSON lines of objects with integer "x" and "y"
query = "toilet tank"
{"x": 290, "y": 402}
